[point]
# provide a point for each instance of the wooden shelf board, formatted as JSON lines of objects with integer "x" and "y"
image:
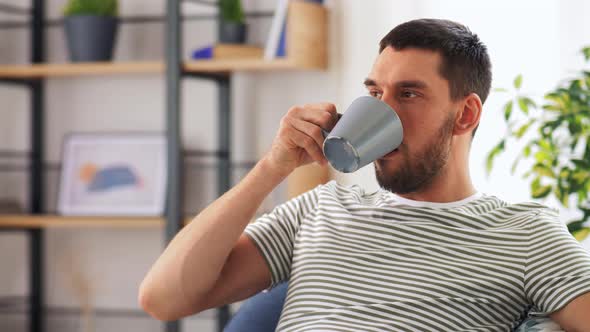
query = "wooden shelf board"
{"x": 52, "y": 221}
{"x": 147, "y": 67}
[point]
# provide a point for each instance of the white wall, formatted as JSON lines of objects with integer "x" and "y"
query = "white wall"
{"x": 541, "y": 46}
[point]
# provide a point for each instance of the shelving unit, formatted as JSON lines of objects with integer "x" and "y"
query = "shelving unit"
{"x": 306, "y": 49}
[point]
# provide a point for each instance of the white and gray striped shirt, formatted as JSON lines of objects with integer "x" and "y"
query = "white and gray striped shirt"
{"x": 379, "y": 262}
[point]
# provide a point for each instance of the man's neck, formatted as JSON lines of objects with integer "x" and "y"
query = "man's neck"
{"x": 452, "y": 184}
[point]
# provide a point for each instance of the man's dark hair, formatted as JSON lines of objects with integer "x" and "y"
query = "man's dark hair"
{"x": 466, "y": 64}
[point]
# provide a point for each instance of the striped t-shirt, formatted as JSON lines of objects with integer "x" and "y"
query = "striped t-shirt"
{"x": 378, "y": 262}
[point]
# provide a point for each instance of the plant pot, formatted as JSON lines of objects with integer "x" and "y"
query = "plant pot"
{"x": 232, "y": 33}
{"x": 90, "y": 38}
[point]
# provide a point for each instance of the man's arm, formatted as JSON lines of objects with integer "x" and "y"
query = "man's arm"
{"x": 210, "y": 262}
{"x": 183, "y": 277}
{"x": 575, "y": 316}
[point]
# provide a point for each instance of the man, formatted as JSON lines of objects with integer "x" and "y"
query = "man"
{"x": 427, "y": 252}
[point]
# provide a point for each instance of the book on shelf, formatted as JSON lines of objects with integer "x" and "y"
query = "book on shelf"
{"x": 277, "y": 40}
{"x": 277, "y": 29}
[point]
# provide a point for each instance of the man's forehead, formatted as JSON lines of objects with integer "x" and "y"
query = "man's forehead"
{"x": 397, "y": 67}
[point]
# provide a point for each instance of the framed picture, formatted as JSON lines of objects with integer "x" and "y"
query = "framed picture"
{"x": 113, "y": 174}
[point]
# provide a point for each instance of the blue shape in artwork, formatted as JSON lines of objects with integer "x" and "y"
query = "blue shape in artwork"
{"x": 113, "y": 177}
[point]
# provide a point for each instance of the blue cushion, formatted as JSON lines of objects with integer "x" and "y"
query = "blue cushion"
{"x": 259, "y": 313}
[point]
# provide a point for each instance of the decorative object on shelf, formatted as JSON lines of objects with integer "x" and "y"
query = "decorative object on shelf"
{"x": 558, "y": 150}
{"x": 113, "y": 174}
{"x": 91, "y": 29}
{"x": 227, "y": 51}
{"x": 232, "y": 28}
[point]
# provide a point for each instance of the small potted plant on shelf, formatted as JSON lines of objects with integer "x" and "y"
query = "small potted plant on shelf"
{"x": 232, "y": 28}
{"x": 554, "y": 136}
{"x": 90, "y": 29}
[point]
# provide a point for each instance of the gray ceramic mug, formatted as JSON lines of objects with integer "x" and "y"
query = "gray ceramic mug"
{"x": 367, "y": 131}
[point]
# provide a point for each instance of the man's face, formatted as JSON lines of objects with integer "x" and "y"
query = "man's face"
{"x": 410, "y": 82}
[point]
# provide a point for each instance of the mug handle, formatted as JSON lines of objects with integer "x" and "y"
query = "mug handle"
{"x": 325, "y": 132}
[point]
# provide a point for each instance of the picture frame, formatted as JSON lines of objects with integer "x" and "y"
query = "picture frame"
{"x": 113, "y": 174}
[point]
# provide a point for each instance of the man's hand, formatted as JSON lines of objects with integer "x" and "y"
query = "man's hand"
{"x": 574, "y": 317}
{"x": 299, "y": 139}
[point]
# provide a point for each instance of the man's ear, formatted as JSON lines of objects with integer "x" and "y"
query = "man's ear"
{"x": 469, "y": 114}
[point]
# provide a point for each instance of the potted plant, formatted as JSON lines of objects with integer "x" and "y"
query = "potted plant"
{"x": 232, "y": 26}
{"x": 91, "y": 28}
{"x": 556, "y": 143}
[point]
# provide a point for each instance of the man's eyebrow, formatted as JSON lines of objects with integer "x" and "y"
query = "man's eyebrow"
{"x": 412, "y": 84}
{"x": 417, "y": 84}
{"x": 370, "y": 82}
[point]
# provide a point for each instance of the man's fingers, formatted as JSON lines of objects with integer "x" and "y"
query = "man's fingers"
{"x": 312, "y": 130}
{"x": 308, "y": 144}
{"x": 322, "y": 115}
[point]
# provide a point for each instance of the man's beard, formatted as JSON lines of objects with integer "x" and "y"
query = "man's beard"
{"x": 418, "y": 171}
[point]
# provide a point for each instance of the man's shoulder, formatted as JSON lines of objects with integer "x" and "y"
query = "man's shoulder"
{"x": 534, "y": 213}
{"x": 524, "y": 206}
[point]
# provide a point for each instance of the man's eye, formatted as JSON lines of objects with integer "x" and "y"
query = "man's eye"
{"x": 409, "y": 94}
{"x": 376, "y": 94}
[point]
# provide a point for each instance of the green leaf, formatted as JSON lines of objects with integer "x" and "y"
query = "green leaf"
{"x": 495, "y": 151}
{"x": 581, "y": 163}
{"x": 581, "y": 234}
{"x": 523, "y": 106}
{"x": 560, "y": 193}
{"x": 574, "y": 226}
{"x": 564, "y": 173}
{"x": 500, "y": 90}
{"x": 581, "y": 176}
{"x": 518, "y": 81}
{"x": 541, "y": 192}
{"x": 523, "y": 129}
{"x": 526, "y": 151}
{"x": 524, "y": 103}
{"x": 536, "y": 184}
{"x": 545, "y": 145}
{"x": 543, "y": 170}
{"x": 542, "y": 157}
{"x": 508, "y": 110}
{"x": 583, "y": 195}
{"x": 586, "y": 52}
{"x": 552, "y": 108}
